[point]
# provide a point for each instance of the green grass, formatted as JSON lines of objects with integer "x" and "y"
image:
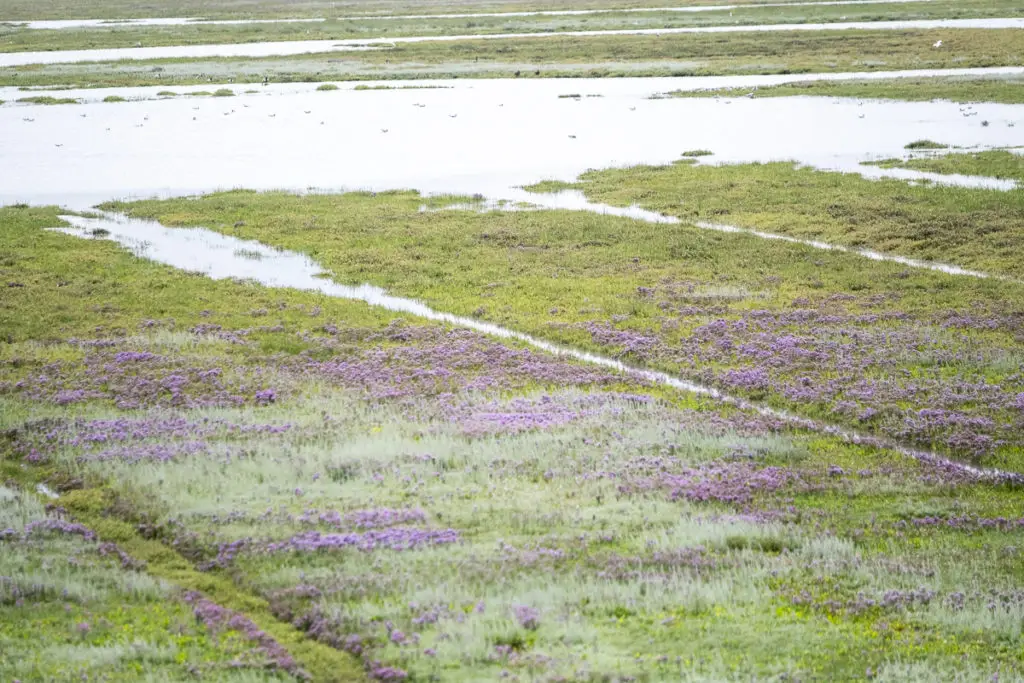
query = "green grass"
{"x": 925, "y": 144}
{"x": 197, "y": 34}
{"x": 559, "y": 274}
{"x": 697, "y": 153}
{"x": 114, "y": 98}
{"x": 69, "y": 611}
{"x": 110, "y": 292}
{"x": 24, "y": 10}
{"x": 327, "y": 86}
{"x": 46, "y": 99}
{"x": 992, "y": 164}
{"x": 604, "y": 560}
{"x": 594, "y": 56}
{"x": 224, "y": 92}
{"x": 971, "y": 228}
{"x": 1004, "y": 89}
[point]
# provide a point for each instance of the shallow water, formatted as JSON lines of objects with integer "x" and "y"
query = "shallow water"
{"x": 221, "y": 256}
{"x": 61, "y": 24}
{"x": 474, "y": 137}
{"x": 287, "y": 48}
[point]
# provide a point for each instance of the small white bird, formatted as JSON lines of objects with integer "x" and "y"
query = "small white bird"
{"x": 452, "y": 116}
{"x": 59, "y": 144}
{"x": 632, "y": 108}
{"x": 572, "y": 137}
{"x": 271, "y": 115}
{"x": 309, "y": 111}
{"x": 860, "y": 116}
{"x": 938, "y": 44}
{"x": 28, "y": 120}
{"x": 82, "y": 115}
{"x": 383, "y": 130}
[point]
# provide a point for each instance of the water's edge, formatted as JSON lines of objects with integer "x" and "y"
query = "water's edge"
{"x": 222, "y": 256}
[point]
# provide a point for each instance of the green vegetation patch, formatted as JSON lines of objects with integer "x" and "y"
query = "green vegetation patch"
{"x": 702, "y": 304}
{"x": 1002, "y": 164}
{"x": 47, "y": 99}
{"x": 1004, "y": 89}
{"x": 572, "y": 56}
{"x": 925, "y": 144}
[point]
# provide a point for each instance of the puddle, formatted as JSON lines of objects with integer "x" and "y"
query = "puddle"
{"x": 62, "y": 24}
{"x": 221, "y": 256}
{"x": 290, "y": 48}
{"x": 474, "y": 137}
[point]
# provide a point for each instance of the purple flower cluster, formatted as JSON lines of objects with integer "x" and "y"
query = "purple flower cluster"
{"x": 325, "y": 630}
{"x": 732, "y": 482}
{"x": 375, "y": 518}
{"x": 968, "y": 523}
{"x": 441, "y": 361}
{"x": 398, "y": 538}
{"x": 127, "y": 561}
{"x": 527, "y": 617}
{"x": 218, "y": 619}
{"x": 136, "y": 380}
{"x": 58, "y": 526}
{"x": 888, "y": 601}
{"x": 859, "y": 360}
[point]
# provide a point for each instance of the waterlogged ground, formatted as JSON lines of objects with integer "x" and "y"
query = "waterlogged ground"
{"x": 433, "y": 504}
{"x": 752, "y": 50}
{"x": 872, "y": 345}
{"x": 406, "y": 426}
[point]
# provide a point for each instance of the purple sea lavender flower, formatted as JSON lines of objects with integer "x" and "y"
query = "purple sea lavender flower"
{"x": 528, "y": 617}
{"x": 265, "y": 397}
{"x": 381, "y": 672}
{"x": 217, "y": 618}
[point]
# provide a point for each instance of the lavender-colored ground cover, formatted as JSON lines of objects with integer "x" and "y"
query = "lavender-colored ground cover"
{"x": 950, "y": 380}
{"x": 503, "y": 513}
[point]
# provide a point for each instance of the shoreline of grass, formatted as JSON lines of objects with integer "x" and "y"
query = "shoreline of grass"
{"x": 38, "y": 40}
{"x": 583, "y": 56}
{"x": 551, "y": 309}
{"x": 1001, "y": 89}
{"x": 1002, "y": 164}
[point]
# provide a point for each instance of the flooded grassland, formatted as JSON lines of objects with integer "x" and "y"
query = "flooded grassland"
{"x": 525, "y": 379}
